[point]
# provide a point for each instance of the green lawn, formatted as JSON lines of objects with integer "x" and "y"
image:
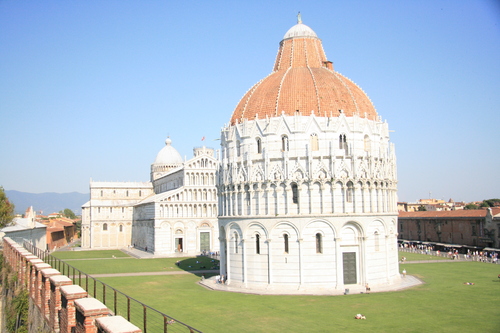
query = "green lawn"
{"x": 108, "y": 265}
{"x": 442, "y": 304}
{"x": 98, "y": 254}
{"x": 418, "y": 256}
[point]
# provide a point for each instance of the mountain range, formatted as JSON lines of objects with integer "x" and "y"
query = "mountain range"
{"x": 48, "y": 202}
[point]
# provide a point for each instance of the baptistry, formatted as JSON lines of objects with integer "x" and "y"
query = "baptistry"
{"x": 307, "y": 180}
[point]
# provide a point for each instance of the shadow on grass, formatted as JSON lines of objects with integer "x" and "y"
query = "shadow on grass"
{"x": 201, "y": 266}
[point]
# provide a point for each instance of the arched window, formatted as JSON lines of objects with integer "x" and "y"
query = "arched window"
{"x": 235, "y": 242}
{"x": 121, "y": 228}
{"x": 238, "y": 148}
{"x": 257, "y": 243}
{"x": 247, "y": 195}
{"x": 285, "y": 239}
{"x": 314, "y": 142}
{"x": 349, "y": 192}
{"x": 284, "y": 143}
{"x": 367, "y": 143}
{"x": 343, "y": 142}
{"x": 105, "y": 227}
{"x": 259, "y": 145}
{"x": 102, "y": 194}
{"x": 319, "y": 243}
{"x": 377, "y": 241}
{"x": 295, "y": 193}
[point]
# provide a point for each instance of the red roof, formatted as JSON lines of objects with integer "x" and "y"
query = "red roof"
{"x": 449, "y": 213}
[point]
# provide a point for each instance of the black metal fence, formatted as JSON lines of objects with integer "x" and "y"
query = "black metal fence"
{"x": 136, "y": 312}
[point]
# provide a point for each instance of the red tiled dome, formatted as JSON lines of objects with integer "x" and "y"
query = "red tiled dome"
{"x": 303, "y": 80}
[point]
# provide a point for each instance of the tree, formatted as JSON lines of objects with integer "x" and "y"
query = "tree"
{"x": 6, "y": 209}
{"x": 422, "y": 208}
{"x": 491, "y": 202}
{"x": 68, "y": 213}
{"x": 471, "y": 206}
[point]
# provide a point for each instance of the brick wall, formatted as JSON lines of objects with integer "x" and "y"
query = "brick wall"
{"x": 56, "y": 305}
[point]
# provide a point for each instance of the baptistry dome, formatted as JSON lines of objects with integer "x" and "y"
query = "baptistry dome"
{"x": 303, "y": 82}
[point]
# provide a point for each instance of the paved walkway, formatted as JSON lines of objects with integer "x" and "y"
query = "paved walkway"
{"x": 404, "y": 283}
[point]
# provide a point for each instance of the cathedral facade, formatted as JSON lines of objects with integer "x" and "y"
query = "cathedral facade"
{"x": 307, "y": 180}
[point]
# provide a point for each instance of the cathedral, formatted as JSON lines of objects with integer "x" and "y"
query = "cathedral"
{"x": 174, "y": 213}
{"x": 307, "y": 179}
{"x": 302, "y": 196}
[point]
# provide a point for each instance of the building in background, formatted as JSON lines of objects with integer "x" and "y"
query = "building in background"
{"x": 175, "y": 212}
{"x": 430, "y": 205}
{"x": 478, "y": 227}
{"x": 27, "y": 229}
{"x": 307, "y": 181}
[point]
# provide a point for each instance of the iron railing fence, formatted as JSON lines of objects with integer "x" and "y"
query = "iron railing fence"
{"x": 143, "y": 316}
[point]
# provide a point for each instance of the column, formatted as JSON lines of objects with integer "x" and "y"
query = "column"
{"x": 289, "y": 200}
{"x": 362, "y": 260}
{"x": 269, "y": 262}
{"x": 228, "y": 260}
{"x": 236, "y": 202}
{"x": 222, "y": 252}
{"x": 339, "y": 268}
{"x": 251, "y": 203}
{"x": 279, "y": 195}
{"x": 387, "y": 269}
{"x": 301, "y": 266}
{"x": 322, "y": 198}
{"x": 244, "y": 250}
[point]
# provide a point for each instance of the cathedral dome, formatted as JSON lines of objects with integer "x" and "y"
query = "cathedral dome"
{"x": 303, "y": 82}
{"x": 168, "y": 155}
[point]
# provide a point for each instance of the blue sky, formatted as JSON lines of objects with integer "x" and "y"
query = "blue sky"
{"x": 91, "y": 89}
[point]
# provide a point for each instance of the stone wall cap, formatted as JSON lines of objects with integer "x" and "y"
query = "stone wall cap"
{"x": 73, "y": 291}
{"x": 35, "y": 261}
{"x": 42, "y": 266}
{"x": 91, "y": 306}
{"x": 49, "y": 272}
{"x": 116, "y": 324}
{"x": 29, "y": 257}
{"x": 60, "y": 279}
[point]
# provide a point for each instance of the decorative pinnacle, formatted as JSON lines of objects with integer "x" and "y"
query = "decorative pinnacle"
{"x": 299, "y": 18}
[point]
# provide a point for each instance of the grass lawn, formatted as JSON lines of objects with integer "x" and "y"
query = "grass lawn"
{"x": 108, "y": 265}
{"x": 419, "y": 256}
{"x": 442, "y": 304}
{"x": 98, "y": 254}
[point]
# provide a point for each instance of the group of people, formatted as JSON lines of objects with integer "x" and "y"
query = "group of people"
{"x": 452, "y": 253}
{"x": 220, "y": 279}
{"x": 210, "y": 253}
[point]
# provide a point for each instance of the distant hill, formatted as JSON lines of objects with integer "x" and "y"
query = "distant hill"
{"x": 48, "y": 202}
